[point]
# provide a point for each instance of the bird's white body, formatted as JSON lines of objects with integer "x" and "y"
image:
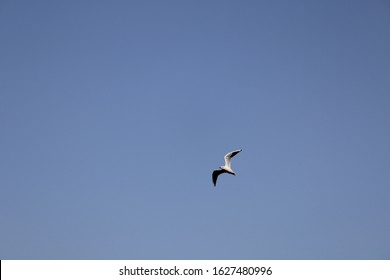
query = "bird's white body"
{"x": 227, "y": 169}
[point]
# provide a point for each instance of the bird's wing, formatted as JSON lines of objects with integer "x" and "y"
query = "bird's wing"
{"x": 216, "y": 173}
{"x": 229, "y": 156}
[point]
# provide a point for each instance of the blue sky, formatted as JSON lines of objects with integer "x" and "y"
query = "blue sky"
{"x": 113, "y": 115}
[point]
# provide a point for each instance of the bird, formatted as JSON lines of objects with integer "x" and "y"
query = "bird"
{"x": 226, "y": 168}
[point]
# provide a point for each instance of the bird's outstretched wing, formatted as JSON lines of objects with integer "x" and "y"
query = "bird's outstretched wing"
{"x": 216, "y": 173}
{"x": 229, "y": 156}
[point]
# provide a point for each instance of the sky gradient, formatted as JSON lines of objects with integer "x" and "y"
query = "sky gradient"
{"x": 113, "y": 115}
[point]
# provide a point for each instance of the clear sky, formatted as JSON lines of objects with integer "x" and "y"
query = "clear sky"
{"x": 113, "y": 115}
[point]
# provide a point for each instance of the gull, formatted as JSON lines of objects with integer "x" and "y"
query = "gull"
{"x": 226, "y": 168}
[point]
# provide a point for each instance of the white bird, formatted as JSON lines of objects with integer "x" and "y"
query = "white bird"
{"x": 226, "y": 168}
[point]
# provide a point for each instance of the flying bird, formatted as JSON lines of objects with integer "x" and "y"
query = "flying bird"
{"x": 226, "y": 168}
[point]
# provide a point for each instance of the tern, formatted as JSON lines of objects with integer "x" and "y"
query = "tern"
{"x": 226, "y": 168}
